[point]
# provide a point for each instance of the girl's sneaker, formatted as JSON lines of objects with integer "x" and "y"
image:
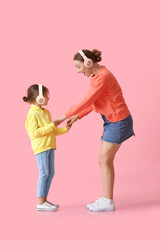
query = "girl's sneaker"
{"x": 46, "y": 207}
{"x": 52, "y": 204}
{"x": 102, "y": 204}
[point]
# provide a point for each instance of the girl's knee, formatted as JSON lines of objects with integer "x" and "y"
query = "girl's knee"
{"x": 44, "y": 175}
{"x": 52, "y": 174}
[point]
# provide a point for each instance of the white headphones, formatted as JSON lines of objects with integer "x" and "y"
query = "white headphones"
{"x": 40, "y": 99}
{"x": 87, "y": 61}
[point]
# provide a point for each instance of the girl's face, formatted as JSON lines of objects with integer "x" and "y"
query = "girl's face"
{"x": 46, "y": 97}
{"x": 82, "y": 69}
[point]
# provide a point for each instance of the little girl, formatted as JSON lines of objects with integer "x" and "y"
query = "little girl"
{"x": 42, "y": 132}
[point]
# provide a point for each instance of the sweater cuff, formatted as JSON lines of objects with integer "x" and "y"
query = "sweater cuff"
{"x": 66, "y": 129}
{"x": 68, "y": 115}
{"x": 52, "y": 125}
{"x": 80, "y": 115}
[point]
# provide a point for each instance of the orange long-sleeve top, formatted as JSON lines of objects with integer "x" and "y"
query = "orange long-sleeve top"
{"x": 104, "y": 96}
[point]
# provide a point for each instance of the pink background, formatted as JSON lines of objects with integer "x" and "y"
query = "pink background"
{"x": 38, "y": 41}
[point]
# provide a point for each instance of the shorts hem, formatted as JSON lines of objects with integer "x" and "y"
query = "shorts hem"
{"x": 110, "y": 141}
{"x": 127, "y": 138}
{"x": 119, "y": 142}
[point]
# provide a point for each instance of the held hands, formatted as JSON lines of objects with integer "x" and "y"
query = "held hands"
{"x": 69, "y": 123}
{"x": 72, "y": 119}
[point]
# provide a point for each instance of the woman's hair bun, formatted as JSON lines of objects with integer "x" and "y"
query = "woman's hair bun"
{"x": 25, "y": 99}
{"x": 97, "y": 53}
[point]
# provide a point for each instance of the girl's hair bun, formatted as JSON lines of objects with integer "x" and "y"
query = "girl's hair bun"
{"x": 25, "y": 99}
{"x": 97, "y": 53}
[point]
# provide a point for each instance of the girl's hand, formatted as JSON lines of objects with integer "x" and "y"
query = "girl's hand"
{"x": 59, "y": 120}
{"x": 72, "y": 119}
{"x": 68, "y": 127}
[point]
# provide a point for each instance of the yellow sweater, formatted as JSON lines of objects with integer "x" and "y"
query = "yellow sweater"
{"x": 41, "y": 132}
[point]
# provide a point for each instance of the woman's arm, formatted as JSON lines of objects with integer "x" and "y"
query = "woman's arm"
{"x": 93, "y": 94}
{"x": 85, "y": 112}
{"x": 74, "y": 118}
{"x": 84, "y": 106}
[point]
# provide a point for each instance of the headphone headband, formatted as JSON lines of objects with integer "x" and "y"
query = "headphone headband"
{"x": 40, "y": 98}
{"x": 87, "y": 61}
{"x": 82, "y": 54}
{"x": 40, "y": 89}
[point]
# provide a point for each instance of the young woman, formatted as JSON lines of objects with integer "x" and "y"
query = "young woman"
{"x": 104, "y": 97}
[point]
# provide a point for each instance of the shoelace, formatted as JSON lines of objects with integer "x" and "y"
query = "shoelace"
{"x": 99, "y": 201}
{"x": 47, "y": 204}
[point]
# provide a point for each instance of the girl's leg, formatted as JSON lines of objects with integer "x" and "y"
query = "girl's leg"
{"x": 51, "y": 172}
{"x": 41, "y": 200}
{"x": 106, "y": 157}
{"x": 43, "y": 165}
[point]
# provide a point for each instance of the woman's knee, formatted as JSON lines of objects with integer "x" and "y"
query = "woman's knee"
{"x": 105, "y": 161}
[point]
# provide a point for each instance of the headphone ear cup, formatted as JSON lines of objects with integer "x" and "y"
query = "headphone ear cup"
{"x": 40, "y": 100}
{"x": 88, "y": 63}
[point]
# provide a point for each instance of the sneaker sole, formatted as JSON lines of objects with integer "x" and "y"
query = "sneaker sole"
{"x": 46, "y": 210}
{"x": 102, "y": 210}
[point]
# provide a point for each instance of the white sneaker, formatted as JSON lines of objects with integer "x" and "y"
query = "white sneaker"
{"x": 45, "y": 207}
{"x": 102, "y": 204}
{"x": 52, "y": 204}
{"x": 90, "y": 204}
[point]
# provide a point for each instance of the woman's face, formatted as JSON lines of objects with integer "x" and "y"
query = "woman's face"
{"x": 82, "y": 69}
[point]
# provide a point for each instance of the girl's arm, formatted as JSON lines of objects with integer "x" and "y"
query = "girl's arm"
{"x": 59, "y": 131}
{"x": 34, "y": 129}
{"x": 59, "y": 120}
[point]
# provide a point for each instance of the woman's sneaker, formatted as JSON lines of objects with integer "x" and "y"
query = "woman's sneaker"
{"x": 46, "y": 207}
{"x": 102, "y": 204}
{"x": 90, "y": 204}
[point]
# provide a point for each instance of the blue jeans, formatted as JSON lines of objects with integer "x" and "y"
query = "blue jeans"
{"x": 45, "y": 162}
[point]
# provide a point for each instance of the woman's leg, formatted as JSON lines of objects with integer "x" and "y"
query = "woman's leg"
{"x": 106, "y": 157}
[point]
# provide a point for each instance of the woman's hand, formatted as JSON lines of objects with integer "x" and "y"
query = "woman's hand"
{"x": 72, "y": 119}
{"x": 59, "y": 120}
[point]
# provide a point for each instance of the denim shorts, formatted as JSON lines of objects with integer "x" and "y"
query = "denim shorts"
{"x": 117, "y": 132}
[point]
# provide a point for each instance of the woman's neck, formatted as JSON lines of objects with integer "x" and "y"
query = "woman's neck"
{"x": 95, "y": 69}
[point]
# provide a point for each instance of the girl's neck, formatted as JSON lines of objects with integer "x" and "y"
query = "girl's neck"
{"x": 36, "y": 104}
